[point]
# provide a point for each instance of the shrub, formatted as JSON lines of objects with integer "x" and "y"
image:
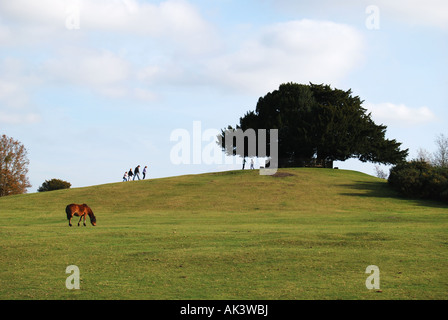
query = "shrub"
{"x": 418, "y": 179}
{"x": 54, "y": 184}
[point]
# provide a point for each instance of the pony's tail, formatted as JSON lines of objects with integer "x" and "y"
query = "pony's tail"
{"x": 68, "y": 212}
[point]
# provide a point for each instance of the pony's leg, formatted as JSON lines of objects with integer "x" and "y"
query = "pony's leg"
{"x": 80, "y": 218}
{"x": 70, "y": 221}
{"x": 84, "y": 221}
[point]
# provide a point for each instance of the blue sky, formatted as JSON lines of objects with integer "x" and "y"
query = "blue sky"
{"x": 95, "y": 87}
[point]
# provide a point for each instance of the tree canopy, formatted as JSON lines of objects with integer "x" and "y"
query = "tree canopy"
{"x": 318, "y": 124}
{"x": 13, "y": 167}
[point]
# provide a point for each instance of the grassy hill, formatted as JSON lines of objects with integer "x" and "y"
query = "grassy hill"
{"x": 302, "y": 234}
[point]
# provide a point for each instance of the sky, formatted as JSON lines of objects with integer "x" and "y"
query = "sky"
{"x": 93, "y": 88}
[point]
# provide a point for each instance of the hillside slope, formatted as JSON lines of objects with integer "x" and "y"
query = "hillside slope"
{"x": 233, "y": 191}
{"x": 302, "y": 234}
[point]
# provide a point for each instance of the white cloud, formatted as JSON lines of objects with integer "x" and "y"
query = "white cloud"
{"x": 144, "y": 95}
{"x": 18, "y": 118}
{"x": 28, "y": 11}
{"x": 15, "y": 106}
{"x": 171, "y": 36}
{"x": 400, "y": 114}
{"x": 5, "y": 35}
{"x": 6, "y": 89}
{"x": 97, "y": 69}
{"x": 184, "y": 51}
{"x": 299, "y": 51}
{"x": 175, "y": 21}
{"x": 12, "y": 94}
{"x": 433, "y": 13}
{"x": 416, "y": 12}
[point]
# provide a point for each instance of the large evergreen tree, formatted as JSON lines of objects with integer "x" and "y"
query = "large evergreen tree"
{"x": 318, "y": 125}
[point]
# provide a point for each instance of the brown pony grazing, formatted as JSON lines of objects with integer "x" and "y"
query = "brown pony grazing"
{"x": 79, "y": 210}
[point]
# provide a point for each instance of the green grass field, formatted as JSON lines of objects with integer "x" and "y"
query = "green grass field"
{"x": 231, "y": 235}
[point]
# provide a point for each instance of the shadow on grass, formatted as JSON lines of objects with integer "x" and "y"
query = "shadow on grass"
{"x": 383, "y": 190}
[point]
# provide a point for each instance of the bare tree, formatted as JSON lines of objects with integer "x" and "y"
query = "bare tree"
{"x": 424, "y": 156}
{"x": 380, "y": 173}
{"x": 441, "y": 154}
{"x": 13, "y": 167}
